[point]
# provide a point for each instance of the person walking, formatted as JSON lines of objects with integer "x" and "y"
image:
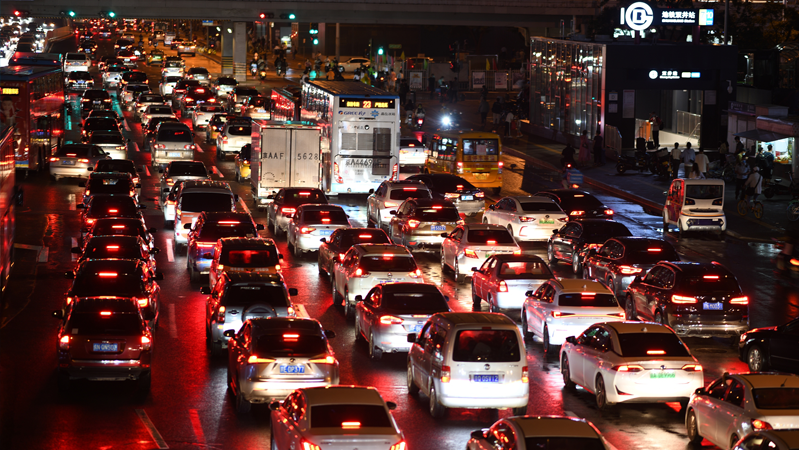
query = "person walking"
{"x": 688, "y": 158}
{"x": 655, "y": 122}
{"x": 676, "y": 153}
{"x": 741, "y": 174}
{"x": 496, "y": 111}
{"x": 584, "y": 156}
{"x": 599, "y": 149}
{"x": 701, "y": 162}
{"x": 739, "y": 147}
{"x": 483, "y": 110}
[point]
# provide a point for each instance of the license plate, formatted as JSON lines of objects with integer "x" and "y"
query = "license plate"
{"x": 662, "y": 375}
{"x": 292, "y": 368}
{"x": 104, "y": 347}
{"x": 467, "y": 197}
{"x": 325, "y": 232}
{"x": 173, "y": 154}
{"x": 485, "y": 378}
{"x": 546, "y": 221}
{"x": 417, "y": 328}
{"x": 718, "y": 306}
{"x": 67, "y": 163}
{"x": 438, "y": 228}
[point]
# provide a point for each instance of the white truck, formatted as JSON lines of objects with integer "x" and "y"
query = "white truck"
{"x": 284, "y": 154}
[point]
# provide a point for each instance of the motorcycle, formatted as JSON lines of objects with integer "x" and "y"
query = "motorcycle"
{"x": 640, "y": 161}
{"x": 253, "y": 69}
{"x": 419, "y": 121}
{"x": 449, "y": 120}
{"x": 777, "y": 187}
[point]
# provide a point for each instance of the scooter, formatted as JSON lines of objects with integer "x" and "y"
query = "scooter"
{"x": 777, "y": 187}
{"x": 253, "y": 69}
{"x": 419, "y": 121}
{"x": 639, "y": 161}
{"x": 449, "y": 121}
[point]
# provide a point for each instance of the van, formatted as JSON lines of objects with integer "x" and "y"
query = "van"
{"x": 472, "y": 360}
{"x": 196, "y": 196}
{"x": 172, "y": 141}
{"x": 695, "y": 205}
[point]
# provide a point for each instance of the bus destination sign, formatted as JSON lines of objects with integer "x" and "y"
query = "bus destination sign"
{"x": 366, "y": 103}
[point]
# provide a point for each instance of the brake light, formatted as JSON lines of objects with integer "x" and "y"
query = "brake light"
{"x": 341, "y": 256}
{"x": 54, "y": 159}
{"x": 438, "y": 207}
{"x": 491, "y": 242}
{"x": 350, "y": 425}
{"x": 409, "y": 189}
{"x": 63, "y": 343}
{"x": 469, "y": 253}
{"x": 415, "y": 274}
{"x": 682, "y": 299}
{"x": 413, "y": 223}
{"x": 794, "y": 262}
{"x": 205, "y": 244}
{"x": 577, "y": 213}
{"x": 145, "y": 343}
{"x": 325, "y": 220}
{"x": 460, "y": 164}
{"x": 503, "y": 286}
{"x": 525, "y": 375}
{"x": 628, "y": 368}
{"x": 143, "y": 302}
{"x": 446, "y": 374}
{"x": 692, "y": 367}
{"x": 305, "y": 194}
{"x": 287, "y": 211}
{"x": 558, "y": 314}
{"x": 229, "y": 222}
{"x": 112, "y": 247}
{"x": 390, "y": 320}
{"x": 107, "y": 274}
{"x": 758, "y": 424}
{"x": 710, "y": 277}
{"x": 654, "y": 250}
{"x": 629, "y": 270}
{"x": 655, "y": 352}
{"x": 105, "y": 313}
{"x": 395, "y": 171}
{"x": 401, "y": 444}
{"x": 739, "y": 300}
{"x": 364, "y": 236}
{"x": 69, "y": 300}
{"x": 329, "y": 359}
{"x": 360, "y": 272}
{"x": 116, "y": 227}
{"x": 479, "y": 194}
{"x": 459, "y": 187}
{"x": 113, "y": 211}
{"x": 451, "y": 195}
{"x": 306, "y": 230}
{"x": 608, "y": 212}
{"x": 308, "y": 446}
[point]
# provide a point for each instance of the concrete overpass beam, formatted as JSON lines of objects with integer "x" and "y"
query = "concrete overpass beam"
{"x": 240, "y": 51}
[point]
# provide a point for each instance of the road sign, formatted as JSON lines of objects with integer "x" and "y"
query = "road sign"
{"x": 395, "y": 46}
{"x": 209, "y": 23}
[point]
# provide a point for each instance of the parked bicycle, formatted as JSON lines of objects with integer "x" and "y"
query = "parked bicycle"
{"x": 746, "y": 205}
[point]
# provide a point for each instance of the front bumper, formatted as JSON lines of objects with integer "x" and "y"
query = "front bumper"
{"x": 709, "y": 223}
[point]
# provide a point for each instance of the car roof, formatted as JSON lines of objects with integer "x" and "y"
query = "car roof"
{"x": 407, "y": 287}
{"x": 554, "y": 426}
{"x": 566, "y": 192}
{"x": 532, "y": 199}
{"x": 117, "y": 305}
{"x": 769, "y": 379}
{"x": 514, "y": 257}
{"x": 406, "y": 183}
{"x": 225, "y": 215}
{"x": 703, "y": 182}
{"x": 320, "y": 207}
{"x": 114, "y": 238}
{"x": 691, "y": 268}
{"x": 476, "y": 317}
{"x": 105, "y": 175}
{"x": 347, "y": 395}
{"x": 638, "y": 327}
{"x": 241, "y": 242}
{"x": 254, "y": 277}
{"x": 571, "y": 285}
{"x": 110, "y": 264}
{"x": 380, "y": 249}
{"x": 282, "y": 323}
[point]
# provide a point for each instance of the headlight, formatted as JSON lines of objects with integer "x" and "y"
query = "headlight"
{"x": 446, "y": 120}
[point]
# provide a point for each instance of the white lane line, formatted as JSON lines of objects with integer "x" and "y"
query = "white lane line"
{"x": 151, "y": 429}
{"x": 147, "y": 170}
{"x": 173, "y": 326}
{"x": 71, "y": 201}
{"x": 244, "y": 206}
{"x": 127, "y": 128}
{"x": 301, "y": 312}
{"x": 44, "y": 255}
{"x": 170, "y": 255}
{"x": 197, "y": 425}
{"x": 215, "y": 170}
{"x": 136, "y": 146}
{"x": 74, "y": 244}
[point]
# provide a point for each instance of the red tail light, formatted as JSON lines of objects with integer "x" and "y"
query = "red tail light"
{"x": 480, "y": 194}
{"x": 329, "y": 359}
{"x": 469, "y": 253}
{"x": 692, "y": 368}
{"x": 306, "y": 230}
{"x": 758, "y": 424}
{"x": 413, "y": 223}
{"x": 145, "y": 343}
{"x": 628, "y": 368}
{"x": 341, "y": 256}
{"x": 503, "y": 286}
{"x": 525, "y": 375}
{"x": 390, "y": 320}
{"x": 360, "y": 273}
{"x": 401, "y": 444}
{"x": 63, "y": 343}
{"x": 682, "y": 299}
{"x": 629, "y": 270}
{"x": 308, "y": 446}
{"x": 143, "y": 302}
{"x": 107, "y": 274}
{"x": 254, "y": 359}
{"x": 558, "y": 314}
{"x": 390, "y": 204}
{"x": 491, "y": 242}
{"x": 415, "y": 274}
{"x": 446, "y": 374}
{"x": 205, "y": 244}
{"x": 739, "y": 300}
{"x": 395, "y": 172}
{"x": 54, "y": 159}
{"x": 220, "y": 315}
{"x": 577, "y": 213}
{"x": 609, "y": 212}
{"x": 287, "y": 211}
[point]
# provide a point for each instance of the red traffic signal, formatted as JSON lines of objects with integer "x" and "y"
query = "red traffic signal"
{"x": 266, "y": 15}
{"x": 20, "y": 13}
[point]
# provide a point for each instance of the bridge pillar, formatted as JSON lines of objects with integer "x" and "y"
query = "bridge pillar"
{"x": 227, "y": 48}
{"x": 240, "y": 51}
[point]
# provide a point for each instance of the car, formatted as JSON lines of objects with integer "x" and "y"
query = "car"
{"x": 105, "y": 338}
{"x": 620, "y": 259}
{"x": 270, "y": 358}
{"x": 257, "y": 107}
{"x": 171, "y": 141}
{"x": 79, "y": 81}
{"x": 202, "y": 114}
{"x": 285, "y": 203}
{"x": 237, "y": 297}
{"x": 332, "y": 249}
{"x": 112, "y": 143}
{"x": 112, "y": 76}
{"x": 177, "y": 171}
{"x": 534, "y": 432}
{"x": 216, "y": 124}
{"x": 180, "y": 89}
{"x": 527, "y": 218}
{"x": 155, "y": 57}
{"x": 200, "y": 74}
{"x": 105, "y": 113}
{"x": 187, "y": 47}
{"x": 367, "y": 265}
{"x": 503, "y": 280}
{"x": 145, "y": 100}
{"x": 419, "y": 223}
{"x": 74, "y": 161}
{"x": 167, "y": 84}
{"x": 242, "y": 160}
{"x": 123, "y": 44}
{"x": 561, "y": 307}
{"x": 128, "y": 58}
{"x": 770, "y": 347}
{"x": 98, "y": 124}
{"x": 195, "y": 197}
{"x": 131, "y": 92}
{"x": 116, "y": 226}
{"x": 487, "y": 354}
{"x": 89, "y": 47}
{"x": 108, "y": 206}
{"x": 578, "y": 204}
{"x": 630, "y": 362}
{"x": 312, "y": 222}
{"x": 173, "y": 66}
{"x": 572, "y": 241}
{"x": 222, "y": 86}
{"x": 412, "y": 155}
{"x": 737, "y": 404}
{"x": 195, "y": 96}
{"x": 385, "y": 316}
{"x": 76, "y": 62}
{"x": 154, "y": 111}
{"x": 132, "y": 76}
{"x": 206, "y": 230}
{"x": 469, "y": 245}
{"x": 389, "y": 196}
{"x": 354, "y": 63}
{"x": 117, "y": 247}
{"x": 108, "y": 183}
{"x": 236, "y": 254}
{"x": 148, "y": 131}
{"x": 234, "y": 135}
{"x": 119, "y": 165}
{"x": 671, "y": 293}
{"x": 106, "y": 61}
{"x": 94, "y": 100}
{"x": 769, "y": 439}
{"x": 238, "y": 95}
{"x": 468, "y": 199}
{"x": 330, "y": 413}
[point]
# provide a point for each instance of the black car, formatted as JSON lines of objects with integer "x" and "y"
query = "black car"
{"x": 108, "y": 183}
{"x": 771, "y": 348}
{"x": 468, "y": 199}
{"x": 341, "y": 240}
{"x": 119, "y": 165}
{"x": 180, "y": 90}
{"x": 285, "y": 203}
{"x": 94, "y": 100}
{"x": 696, "y": 299}
{"x": 573, "y": 240}
{"x": 195, "y": 95}
{"x": 117, "y": 247}
{"x": 132, "y": 77}
{"x": 122, "y": 227}
{"x": 105, "y": 113}
{"x": 98, "y": 124}
{"x": 578, "y": 204}
{"x": 108, "y": 206}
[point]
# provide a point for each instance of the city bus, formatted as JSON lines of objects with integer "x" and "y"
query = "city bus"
{"x": 475, "y": 156}
{"x": 286, "y": 104}
{"x": 360, "y": 134}
{"x": 32, "y": 101}
{"x": 36, "y": 59}
{"x": 8, "y": 202}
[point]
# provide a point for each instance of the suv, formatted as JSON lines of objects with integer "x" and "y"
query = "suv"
{"x": 179, "y": 171}
{"x": 311, "y": 222}
{"x": 235, "y": 254}
{"x": 209, "y": 228}
{"x": 195, "y": 95}
{"x": 195, "y": 197}
{"x": 234, "y": 136}
{"x": 148, "y": 131}
{"x": 527, "y": 218}
{"x": 471, "y": 244}
{"x": 237, "y": 297}
{"x": 419, "y": 223}
{"x": 93, "y": 100}
{"x": 77, "y": 62}
{"x": 108, "y": 183}
{"x": 285, "y": 203}
{"x": 187, "y": 47}
{"x": 202, "y": 115}
{"x": 172, "y": 142}
{"x": 388, "y": 196}
{"x": 108, "y": 206}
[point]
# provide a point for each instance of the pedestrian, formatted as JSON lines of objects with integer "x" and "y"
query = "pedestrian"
{"x": 739, "y": 146}
{"x": 496, "y": 111}
{"x": 585, "y": 154}
{"x": 483, "y": 110}
{"x": 392, "y": 81}
{"x": 655, "y": 122}
{"x": 431, "y": 85}
{"x": 484, "y": 92}
{"x": 753, "y": 184}
{"x": 768, "y": 162}
{"x": 676, "y": 153}
{"x": 599, "y": 149}
{"x": 404, "y": 88}
{"x": 688, "y": 158}
{"x": 741, "y": 174}
{"x": 724, "y": 150}
{"x": 701, "y": 162}
{"x": 508, "y": 122}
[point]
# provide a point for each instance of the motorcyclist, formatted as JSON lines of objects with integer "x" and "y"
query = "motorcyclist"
{"x": 568, "y": 156}
{"x": 419, "y": 112}
{"x": 253, "y": 67}
{"x": 572, "y": 178}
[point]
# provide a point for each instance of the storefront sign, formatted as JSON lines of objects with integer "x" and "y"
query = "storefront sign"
{"x": 478, "y": 80}
{"x": 640, "y": 16}
{"x": 655, "y": 74}
{"x": 743, "y": 107}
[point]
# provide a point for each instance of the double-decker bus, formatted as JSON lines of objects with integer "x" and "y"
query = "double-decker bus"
{"x": 32, "y": 102}
{"x": 360, "y": 134}
{"x": 7, "y": 201}
{"x": 286, "y": 104}
{"x": 476, "y": 156}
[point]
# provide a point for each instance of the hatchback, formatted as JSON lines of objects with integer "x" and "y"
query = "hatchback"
{"x": 75, "y": 160}
{"x": 311, "y": 223}
{"x": 108, "y": 183}
{"x": 200, "y": 74}
{"x": 468, "y": 246}
{"x": 527, "y": 218}
{"x": 235, "y": 254}
{"x": 196, "y": 196}
{"x": 172, "y": 142}
{"x": 206, "y": 230}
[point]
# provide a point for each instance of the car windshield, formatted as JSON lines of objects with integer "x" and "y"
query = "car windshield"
{"x": 704, "y": 191}
{"x": 115, "y": 324}
{"x": 563, "y": 443}
{"x": 135, "y": 88}
{"x": 349, "y": 416}
{"x": 69, "y": 151}
{"x": 545, "y": 207}
{"x": 111, "y": 284}
{"x": 651, "y": 344}
{"x": 292, "y": 343}
{"x": 603, "y": 231}
{"x": 580, "y": 201}
{"x": 335, "y": 217}
{"x": 525, "y": 270}
{"x": 115, "y": 69}
{"x": 244, "y": 296}
{"x": 776, "y": 398}
{"x": 106, "y": 139}
{"x": 76, "y": 57}
{"x": 588, "y": 300}
{"x": 190, "y": 170}
{"x": 402, "y": 194}
{"x": 650, "y": 252}
{"x": 214, "y": 231}
{"x": 173, "y": 79}
{"x": 135, "y": 76}
{"x": 173, "y": 135}
{"x": 304, "y": 197}
{"x": 443, "y": 214}
{"x": 261, "y": 257}
{"x": 479, "y": 147}
{"x": 239, "y": 130}
{"x": 115, "y": 165}
{"x": 106, "y": 249}
{"x": 415, "y": 302}
{"x": 486, "y": 346}
{"x": 98, "y": 185}
{"x": 348, "y": 239}
{"x": 388, "y": 263}
{"x": 711, "y": 282}
{"x": 206, "y": 201}
{"x": 160, "y": 110}
{"x": 489, "y": 237}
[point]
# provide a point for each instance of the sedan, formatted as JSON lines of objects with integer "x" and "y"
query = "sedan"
{"x": 503, "y": 280}
{"x": 117, "y": 247}
{"x": 468, "y": 199}
{"x": 630, "y": 362}
{"x": 471, "y": 244}
{"x": 354, "y": 63}
{"x": 769, "y": 439}
{"x": 79, "y": 81}
{"x": 122, "y": 227}
{"x": 312, "y": 222}
{"x": 332, "y": 249}
{"x": 527, "y": 218}
{"x": 738, "y": 404}
{"x": 145, "y": 100}
{"x": 155, "y": 57}
{"x": 578, "y": 204}
{"x": 538, "y": 432}
{"x": 168, "y": 84}
{"x": 574, "y": 239}
{"x": 154, "y": 111}
{"x": 75, "y": 161}
{"x": 112, "y": 143}
{"x": 771, "y": 347}
{"x": 128, "y": 58}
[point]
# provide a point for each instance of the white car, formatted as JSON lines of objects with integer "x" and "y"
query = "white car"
{"x": 471, "y": 244}
{"x": 155, "y": 111}
{"x": 77, "y": 62}
{"x": 533, "y": 432}
{"x": 145, "y": 100}
{"x": 412, "y": 153}
{"x": 312, "y": 223}
{"x": 367, "y": 265}
{"x": 203, "y": 114}
{"x": 389, "y": 196}
{"x": 354, "y": 63}
{"x": 738, "y": 404}
{"x": 528, "y": 218}
{"x": 112, "y": 76}
{"x": 173, "y": 68}
{"x": 632, "y": 362}
{"x": 562, "y": 308}
{"x": 769, "y": 439}
{"x": 503, "y": 280}
{"x": 335, "y": 417}
{"x": 234, "y": 136}
{"x": 167, "y": 84}
{"x": 132, "y": 91}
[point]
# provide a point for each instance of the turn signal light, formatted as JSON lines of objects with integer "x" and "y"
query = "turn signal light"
{"x": 54, "y": 159}
{"x": 525, "y": 375}
{"x": 306, "y": 230}
{"x": 391, "y": 320}
{"x": 628, "y": 368}
{"x": 577, "y": 213}
{"x": 360, "y": 272}
{"x": 503, "y": 286}
{"x": 681, "y": 299}
{"x": 446, "y": 374}
{"x": 692, "y": 367}
{"x": 758, "y": 424}
{"x": 329, "y": 359}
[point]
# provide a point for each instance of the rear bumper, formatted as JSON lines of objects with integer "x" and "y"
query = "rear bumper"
{"x": 269, "y": 391}
{"x": 112, "y": 370}
{"x": 424, "y": 242}
{"x": 688, "y": 325}
{"x": 74, "y": 172}
{"x": 461, "y": 394}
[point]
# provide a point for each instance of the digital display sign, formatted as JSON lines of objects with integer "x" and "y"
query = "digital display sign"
{"x": 10, "y": 91}
{"x": 366, "y": 103}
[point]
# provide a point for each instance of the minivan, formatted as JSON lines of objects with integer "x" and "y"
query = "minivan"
{"x": 195, "y": 197}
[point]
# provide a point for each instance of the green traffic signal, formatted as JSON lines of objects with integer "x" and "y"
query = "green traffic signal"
{"x": 71, "y": 13}
{"x": 292, "y": 16}
{"x": 316, "y": 41}
{"x": 380, "y": 51}
{"x": 112, "y": 14}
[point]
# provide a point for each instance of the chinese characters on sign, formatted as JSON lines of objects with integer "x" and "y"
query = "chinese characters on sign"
{"x": 640, "y": 16}
{"x": 655, "y": 74}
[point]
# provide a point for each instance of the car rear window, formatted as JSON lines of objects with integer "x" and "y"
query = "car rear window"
{"x": 244, "y": 296}
{"x": 206, "y": 201}
{"x": 107, "y": 250}
{"x": 563, "y": 443}
{"x": 484, "y": 236}
{"x": 587, "y": 300}
{"x": 137, "y": 88}
{"x": 453, "y": 184}
{"x": 109, "y": 186}
{"x": 364, "y": 237}
{"x": 290, "y": 342}
{"x": 160, "y": 110}
{"x": 118, "y": 228}
{"x": 174, "y": 64}
{"x": 540, "y": 207}
{"x": 604, "y": 231}
{"x": 115, "y": 165}
{"x": 262, "y": 257}
{"x": 135, "y": 76}
{"x": 651, "y": 344}
{"x": 525, "y": 270}
{"x": 106, "y": 139}
{"x": 76, "y": 57}
{"x": 115, "y": 69}
{"x": 93, "y": 323}
{"x": 258, "y": 101}
{"x": 580, "y": 201}
{"x": 486, "y": 346}
{"x": 110, "y": 283}
{"x": 172, "y": 135}
{"x": 444, "y": 214}
{"x": 325, "y": 217}
{"x": 388, "y": 263}
{"x": 227, "y": 81}
{"x": 213, "y": 231}
{"x": 212, "y": 108}
{"x": 198, "y": 71}
{"x": 650, "y": 253}
{"x": 100, "y": 123}
{"x": 194, "y": 170}
{"x": 239, "y": 130}
{"x": 710, "y": 282}
{"x": 96, "y": 94}
{"x": 151, "y": 98}
{"x": 172, "y": 79}
{"x": 246, "y": 92}
{"x": 704, "y": 191}
{"x": 776, "y": 398}
{"x": 415, "y": 302}
{"x": 480, "y": 147}
{"x": 114, "y": 206}
{"x": 303, "y": 197}
{"x": 73, "y": 152}
{"x": 402, "y": 194}
{"x": 349, "y": 416}
{"x": 80, "y": 76}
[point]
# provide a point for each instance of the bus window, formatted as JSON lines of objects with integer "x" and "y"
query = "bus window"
{"x": 480, "y": 149}
{"x": 444, "y": 149}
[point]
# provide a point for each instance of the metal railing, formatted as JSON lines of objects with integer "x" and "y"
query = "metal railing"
{"x": 689, "y": 124}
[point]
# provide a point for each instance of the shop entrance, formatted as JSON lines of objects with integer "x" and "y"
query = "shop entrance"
{"x": 680, "y": 112}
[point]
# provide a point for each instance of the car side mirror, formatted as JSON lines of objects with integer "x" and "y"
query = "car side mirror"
{"x": 446, "y": 298}
{"x": 475, "y": 269}
{"x": 158, "y": 276}
{"x": 571, "y": 340}
{"x": 358, "y": 298}
{"x": 555, "y": 231}
{"x": 330, "y": 334}
{"x": 590, "y": 252}
{"x": 236, "y": 197}
{"x": 82, "y": 184}
{"x": 274, "y": 406}
{"x": 77, "y": 250}
{"x": 80, "y": 206}
{"x": 187, "y": 226}
{"x": 151, "y": 230}
{"x": 491, "y": 207}
{"x": 90, "y": 169}
{"x": 529, "y": 293}
{"x": 69, "y": 275}
{"x": 478, "y": 434}
{"x": 371, "y": 191}
{"x": 444, "y": 235}
{"x": 293, "y": 291}
{"x": 229, "y": 333}
{"x": 58, "y": 314}
{"x": 392, "y": 212}
{"x": 412, "y": 337}
{"x": 129, "y": 141}
{"x": 391, "y": 406}
{"x": 205, "y": 290}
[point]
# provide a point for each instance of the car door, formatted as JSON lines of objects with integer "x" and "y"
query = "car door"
{"x": 597, "y": 264}
{"x": 542, "y": 307}
{"x": 397, "y": 224}
{"x": 705, "y": 408}
{"x": 451, "y": 245}
{"x": 577, "y": 355}
{"x": 572, "y": 240}
{"x": 340, "y": 271}
{"x": 783, "y": 345}
{"x": 594, "y": 356}
{"x": 367, "y": 310}
{"x": 729, "y": 413}
{"x": 561, "y": 238}
{"x": 480, "y": 278}
{"x": 661, "y": 293}
{"x": 642, "y": 293}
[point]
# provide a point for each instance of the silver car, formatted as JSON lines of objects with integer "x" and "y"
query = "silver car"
{"x": 503, "y": 280}
{"x": 312, "y": 223}
{"x": 75, "y": 160}
{"x": 168, "y": 84}
{"x": 270, "y": 358}
{"x": 392, "y": 310}
{"x": 203, "y": 114}
{"x": 177, "y": 171}
{"x": 234, "y": 136}
{"x": 112, "y": 76}
{"x": 145, "y": 100}
{"x": 187, "y": 47}
{"x": 132, "y": 91}
{"x": 172, "y": 142}
{"x": 223, "y": 86}
{"x": 200, "y": 74}
{"x": 154, "y": 111}
{"x": 111, "y": 142}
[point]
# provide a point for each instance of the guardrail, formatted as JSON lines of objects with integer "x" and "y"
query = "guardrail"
{"x": 689, "y": 124}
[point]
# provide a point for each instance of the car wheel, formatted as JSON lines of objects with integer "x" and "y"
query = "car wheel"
{"x": 629, "y": 309}
{"x": 734, "y": 440}
{"x": 337, "y": 299}
{"x": 476, "y": 301}
{"x": 551, "y": 255}
{"x": 756, "y": 359}
{"x": 568, "y": 384}
{"x": 358, "y": 334}
{"x": 145, "y": 381}
{"x": 297, "y": 249}
{"x": 659, "y": 318}
{"x": 375, "y": 353}
{"x": 379, "y": 222}
{"x": 577, "y": 268}
{"x": 242, "y": 405}
{"x": 272, "y": 441}
{"x": 437, "y": 410}
{"x": 491, "y": 306}
{"x": 545, "y": 335}
{"x": 443, "y": 263}
{"x": 528, "y": 336}
{"x": 601, "y": 395}
{"x": 665, "y": 224}
{"x": 457, "y": 275}
{"x": 413, "y": 389}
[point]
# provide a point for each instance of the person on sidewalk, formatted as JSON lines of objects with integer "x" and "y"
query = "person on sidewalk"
{"x": 483, "y": 110}
{"x": 585, "y": 154}
{"x": 688, "y": 158}
{"x": 509, "y": 118}
{"x": 695, "y": 174}
{"x": 753, "y": 185}
{"x": 701, "y": 162}
{"x": 741, "y": 174}
{"x": 496, "y": 111}
{"x": 599, "y": 149}
{"x": 655, "y": 122}
{"x": 676, "y": 154}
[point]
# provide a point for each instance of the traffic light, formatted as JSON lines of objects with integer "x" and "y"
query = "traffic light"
{"x": 315, "y": 41}
{"x": 266, "y": 15}
{"x": 108, "y": 14}
{"x": 454, "y": 66}
{"x": 380, "y": 51}
{"x": 289, "y": 16}
{"x": 314, "y": 28}
{"x": 68, "y": 13}
{"x": 21, "y": 13}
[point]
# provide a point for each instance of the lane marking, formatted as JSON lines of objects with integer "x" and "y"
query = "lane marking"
{"x": 244, "y": 206}
{"x": 147, "y": 170}
{"x": 301, "y": 312}
{"x": 71, "y": 200}
{"x": 74, "y": 244}
{"x": 151, "y": 429}
{"x": 218, "y": 172}
{"x": 570, "y": 413}
{"x": 44, "y": 255}
{"x": 197, "y": 425}
{"x": 127, "y": 128}
{"x": 136, "y": 146}
{"x": 173, "y": 326}
{"x": 170, "y": 255}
